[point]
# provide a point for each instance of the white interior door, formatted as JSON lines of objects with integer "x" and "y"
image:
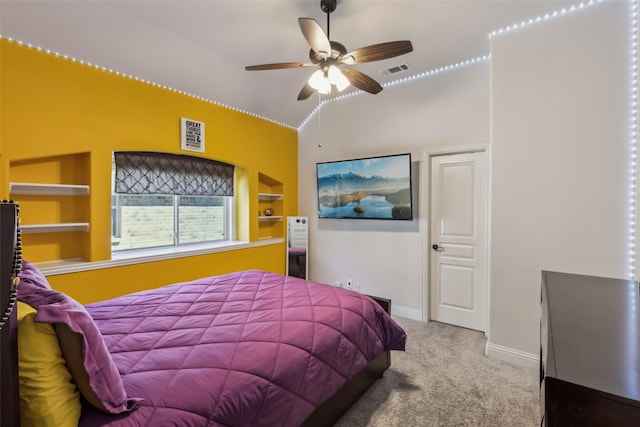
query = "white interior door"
{"x": 458, "y": 230}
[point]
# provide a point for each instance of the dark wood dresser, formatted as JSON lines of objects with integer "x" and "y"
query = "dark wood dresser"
{"x": 589, "y": 351}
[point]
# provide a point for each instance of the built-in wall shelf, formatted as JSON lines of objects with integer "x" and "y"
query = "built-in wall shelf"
{"x": 48, "y": 189}
{"x": 269, "y": 196}
{"x": 54, "y": 228}
{"x": 270, "y": 218}
{"x": 270, "y": 200}
{"x": 55, "y": 205}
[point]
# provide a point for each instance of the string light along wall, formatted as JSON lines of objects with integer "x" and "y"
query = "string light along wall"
{"x": 633, "y": 137}
{"x": 545, "y": 17}
{"x": 118, "y": 73}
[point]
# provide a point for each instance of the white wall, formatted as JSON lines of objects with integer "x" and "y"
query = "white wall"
{"x": 560, "y": 163}
{"x": 555, "y": 95}
{"x": 386, "y": 257}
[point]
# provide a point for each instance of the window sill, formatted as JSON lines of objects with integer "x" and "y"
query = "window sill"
{"x": 52, "y": 268}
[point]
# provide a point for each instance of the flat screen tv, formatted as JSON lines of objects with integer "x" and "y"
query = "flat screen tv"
{"x": 368, "y": 188}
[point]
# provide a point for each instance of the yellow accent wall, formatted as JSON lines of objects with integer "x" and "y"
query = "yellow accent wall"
{"x": 60, "y": 121}
{"x": 96, "y": 285}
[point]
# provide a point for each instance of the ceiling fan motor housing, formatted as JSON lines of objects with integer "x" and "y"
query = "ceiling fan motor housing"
{"x": 337, "y": 51}
{"x": 328, "y": 6}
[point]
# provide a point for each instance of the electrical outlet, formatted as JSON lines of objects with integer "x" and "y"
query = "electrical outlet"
{"x": 349, "y": 284}
{"x": 356, "y": 286}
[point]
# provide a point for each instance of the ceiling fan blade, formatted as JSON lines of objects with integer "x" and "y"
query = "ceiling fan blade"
{"x": 279, "y": 66}
{"x": 378, "y": 52}
{"x": 315, "y": 36}
{"x": 361, "y": 80}
{"x": 305, "y": 92}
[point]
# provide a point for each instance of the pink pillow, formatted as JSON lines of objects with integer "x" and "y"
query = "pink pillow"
{"x": 97, "y": 377}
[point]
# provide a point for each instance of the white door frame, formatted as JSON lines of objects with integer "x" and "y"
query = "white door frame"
{"x": 425, "y": 208}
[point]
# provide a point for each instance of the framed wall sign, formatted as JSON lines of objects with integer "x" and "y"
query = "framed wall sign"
{"x": 191, "y": 135}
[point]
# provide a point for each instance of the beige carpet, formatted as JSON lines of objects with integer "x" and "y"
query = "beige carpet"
{"x": 444, "y": 379}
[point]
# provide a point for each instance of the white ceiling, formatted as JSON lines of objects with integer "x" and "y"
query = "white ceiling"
{"x": 202, "y": 46}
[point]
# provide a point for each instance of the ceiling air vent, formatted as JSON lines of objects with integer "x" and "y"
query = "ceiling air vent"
{"x": 396, "y": 69}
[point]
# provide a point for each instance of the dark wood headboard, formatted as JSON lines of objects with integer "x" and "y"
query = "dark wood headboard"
{"x": 9, "y": 396}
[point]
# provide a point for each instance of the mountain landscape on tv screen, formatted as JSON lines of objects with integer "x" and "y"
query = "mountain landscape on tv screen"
{"x": 351, "y": 195}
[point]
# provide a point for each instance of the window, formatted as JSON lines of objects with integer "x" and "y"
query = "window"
{"x": 144, "y": 216}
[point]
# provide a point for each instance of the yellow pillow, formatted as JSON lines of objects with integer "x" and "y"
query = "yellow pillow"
{"x": 48, "y": 397}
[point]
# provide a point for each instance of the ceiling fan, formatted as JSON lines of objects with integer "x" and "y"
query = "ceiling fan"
{"x": 331, "y": 58}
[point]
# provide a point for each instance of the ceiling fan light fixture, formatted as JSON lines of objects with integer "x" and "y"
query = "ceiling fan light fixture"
{"x": 329, "y": 55}
{"x": 320, "y": 82}
{"x": 337, "y": 78}
{"x": 325, "y": 88}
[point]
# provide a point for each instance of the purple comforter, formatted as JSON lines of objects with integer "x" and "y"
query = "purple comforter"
{"x": 243, "y": 349}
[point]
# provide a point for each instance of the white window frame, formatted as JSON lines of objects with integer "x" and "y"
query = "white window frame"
{"x": 165, "y": 252}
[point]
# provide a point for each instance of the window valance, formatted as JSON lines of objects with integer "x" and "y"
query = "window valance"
{"x": 140, "y": 172}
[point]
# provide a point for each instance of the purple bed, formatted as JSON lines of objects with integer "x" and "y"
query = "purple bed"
{"x": 250, "y": 348}
{"x": 247, "y": 348}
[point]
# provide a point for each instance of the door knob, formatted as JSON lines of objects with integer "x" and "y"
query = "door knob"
{"x": 437, "y": 248}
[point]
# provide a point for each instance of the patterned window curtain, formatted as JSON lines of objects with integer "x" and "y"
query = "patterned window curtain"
{"x": 163, "y": 173}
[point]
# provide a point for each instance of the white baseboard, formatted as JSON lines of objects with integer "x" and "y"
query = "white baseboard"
{"x": 512, "y": 355}
{"x": 409, "y": 313}
{"x": 494, "y": 351}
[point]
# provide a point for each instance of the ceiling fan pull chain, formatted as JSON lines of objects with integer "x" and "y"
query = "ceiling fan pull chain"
{"x": 319, "y": 121}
